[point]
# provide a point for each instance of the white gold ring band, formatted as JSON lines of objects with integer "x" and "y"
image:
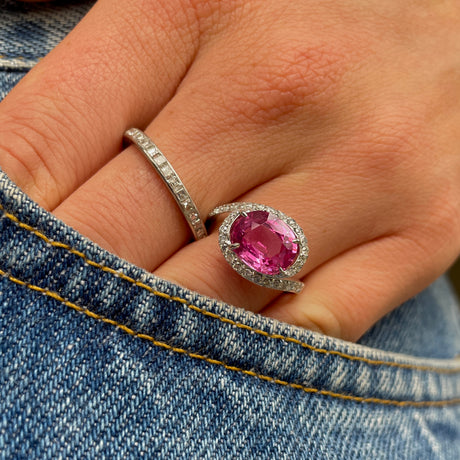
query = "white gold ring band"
{"x": 170, "y": 178}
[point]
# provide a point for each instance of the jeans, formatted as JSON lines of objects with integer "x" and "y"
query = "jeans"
{"x": 101, "y": 359}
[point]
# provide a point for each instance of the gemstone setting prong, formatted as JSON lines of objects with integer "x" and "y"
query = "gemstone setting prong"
{"x": 282, "y": 271}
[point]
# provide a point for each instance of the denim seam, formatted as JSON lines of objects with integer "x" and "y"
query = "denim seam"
{"x": 216, "y": 316}
{"x": 296, "y": 386}
{"x": 20, "y": 58}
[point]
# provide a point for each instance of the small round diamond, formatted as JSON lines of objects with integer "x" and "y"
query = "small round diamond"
{"x": 266, "y": 243}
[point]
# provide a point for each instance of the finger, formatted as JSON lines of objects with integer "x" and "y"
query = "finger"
{"x": 351, "y": 292}
{"x": 126, "y": 208}
{"x": 201, "y": 266}
{"x": 118, "y": 67}
{"x": 345, "y": 293}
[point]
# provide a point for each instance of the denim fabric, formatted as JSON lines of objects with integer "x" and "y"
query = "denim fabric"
{"x": 29, "y": 31}
{"x": 100, "y": 359}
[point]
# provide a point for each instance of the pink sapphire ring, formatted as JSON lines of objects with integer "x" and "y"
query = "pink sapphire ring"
{"x": 263, "y": 245}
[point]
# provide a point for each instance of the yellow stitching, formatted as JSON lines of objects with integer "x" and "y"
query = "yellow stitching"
{"x": 374, "y": 362}
{"x": 267, "y": 378}
{"x": 20, "y": 58}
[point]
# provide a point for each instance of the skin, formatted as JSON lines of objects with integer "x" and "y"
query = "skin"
{"x": 344, "y": 116}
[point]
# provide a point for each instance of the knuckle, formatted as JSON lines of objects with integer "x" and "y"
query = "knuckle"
{"x": 431, "y": 220}
{"x": 172, "y": 19}
{"x": 27, "y": 150}
{"x": 212, "y": 12}
{"x": 386, "y": 145}
{"x": 150, "y": 18}
{"x": 287, "y": 78}
{"x": 39, "y": 133}
{"x": 441, "y": 220}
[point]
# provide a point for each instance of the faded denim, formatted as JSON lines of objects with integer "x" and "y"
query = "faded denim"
{"x": 100, "y": 359}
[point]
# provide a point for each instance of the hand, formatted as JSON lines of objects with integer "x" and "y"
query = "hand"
{"x": 343, "y": 116}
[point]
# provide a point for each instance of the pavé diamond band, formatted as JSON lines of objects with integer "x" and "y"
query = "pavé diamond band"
{"x": 263, "y": 245}
{"x": 170, "y": 178}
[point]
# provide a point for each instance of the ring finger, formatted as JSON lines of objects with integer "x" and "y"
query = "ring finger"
{"x": 347, "y": 274}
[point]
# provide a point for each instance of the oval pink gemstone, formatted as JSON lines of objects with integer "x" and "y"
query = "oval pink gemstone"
{"x": 266, "y": 242}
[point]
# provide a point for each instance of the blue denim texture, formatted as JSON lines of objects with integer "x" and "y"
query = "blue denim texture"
{"x": 100, "y": 359}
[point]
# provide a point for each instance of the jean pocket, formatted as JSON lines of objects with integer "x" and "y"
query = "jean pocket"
{"x": 71, "y": 308}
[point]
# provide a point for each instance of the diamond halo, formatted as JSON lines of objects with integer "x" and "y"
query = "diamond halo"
{"x": 276, "y": 281}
